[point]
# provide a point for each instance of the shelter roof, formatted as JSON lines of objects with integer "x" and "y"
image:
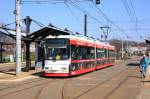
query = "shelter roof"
{"x": 44, "y": 32}
{"x": 147, "y": 41}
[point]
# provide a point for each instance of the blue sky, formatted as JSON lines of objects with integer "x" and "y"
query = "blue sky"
{"x": 70, "y": 16}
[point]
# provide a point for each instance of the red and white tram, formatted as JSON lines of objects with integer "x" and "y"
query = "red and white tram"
{"x": 73, "y": 55}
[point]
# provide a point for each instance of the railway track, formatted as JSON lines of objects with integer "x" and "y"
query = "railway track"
{"x": 43, "y": 84}
{"x": 127, "y": 71}
{"x": 38, "y": 82}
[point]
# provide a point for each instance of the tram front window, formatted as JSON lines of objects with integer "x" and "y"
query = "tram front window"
{"x": 57, "y": 53}
{"x": 57, "y": 49}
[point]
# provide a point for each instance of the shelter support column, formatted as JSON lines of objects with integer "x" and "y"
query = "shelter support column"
{"x": 28, "y": 59}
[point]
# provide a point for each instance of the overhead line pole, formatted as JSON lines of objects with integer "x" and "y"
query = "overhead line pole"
{"x": 104, "y": 32}
{"x": 28, "y": 59}
{"x": 122, "y": 49}
{"x": 85, "y": 25}
{"x": 18, "y": 37}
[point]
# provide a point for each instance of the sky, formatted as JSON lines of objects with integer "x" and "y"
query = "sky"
{"x": 127, "y": 19}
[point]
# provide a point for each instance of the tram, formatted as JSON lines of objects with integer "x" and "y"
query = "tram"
{"x": 69, "y": 55}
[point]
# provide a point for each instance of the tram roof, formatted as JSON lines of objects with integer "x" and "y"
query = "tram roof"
{"x": 46, "y": 31}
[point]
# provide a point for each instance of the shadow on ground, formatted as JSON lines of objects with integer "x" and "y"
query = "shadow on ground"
{"x": 9, "y": 71}
{"x": 136, "y": 76}
{"x": 39, "y": 74}
{"x": 12, "y": 71}
{"x": 146, "y": 81}
{"x": 133, "y": 64}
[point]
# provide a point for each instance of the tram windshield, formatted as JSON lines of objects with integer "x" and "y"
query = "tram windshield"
{"x": 57, "y": 49}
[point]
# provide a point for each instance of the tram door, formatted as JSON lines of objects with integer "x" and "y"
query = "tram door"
{"x": 40, "y": 57}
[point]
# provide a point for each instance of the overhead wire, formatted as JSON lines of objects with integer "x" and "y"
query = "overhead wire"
{"x": 8, "y": 24}
{"x": 85, "y": 12}
{"x": 136, "y": 19}
{"x": 38, "y": 23}
{"x": 132, "y": 14}
{"x": 128, "y": 10}
{"x": 49, "y": 1}
{"x": 109, "y": 20}
{"x": 73, "y": 14}
{"x": 5, "y": 26}
{"x": 41, "y": 1}
{"x": 73, "y": 3}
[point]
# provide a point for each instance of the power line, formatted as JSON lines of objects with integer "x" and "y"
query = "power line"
{"x": 73, "y": 14}
{"x": 38, "y": 23}
{"x": 51, "y": 1}
{"x": 105, "y": 16}
{"x": 73, "y": 2}
{"x": 64, "y": 1}
{"x": 85, "y": 12}
{"x": 8, "y": 24}
{"x": 136, "y": 19}
{"x": 127, "y": 9}
{"x": 5, "y": 25}
{"x": 135, "y": 29}
{"x": 131, "y": 13}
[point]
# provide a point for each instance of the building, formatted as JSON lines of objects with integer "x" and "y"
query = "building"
{"x": 7, "y": 45}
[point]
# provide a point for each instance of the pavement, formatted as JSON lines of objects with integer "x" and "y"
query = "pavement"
{"x": 8, "y": 75}
{"x": 145, "y": 90}
{"x": 21, "y": 77}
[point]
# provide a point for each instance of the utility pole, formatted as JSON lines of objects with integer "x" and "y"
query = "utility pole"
{"x": 122, "y": 49}
{"x": 1, "y": 51}
{"x": 28, "y": 59}
{"x": 18, "y": 37}
{"x": 104, "y": 33}
{"x": 85, "y": 25}
{"x": 127, "y": 45}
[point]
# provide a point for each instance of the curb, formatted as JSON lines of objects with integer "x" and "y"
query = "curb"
{"x": 18, "y": 79}
{"x": 21, "y": 77}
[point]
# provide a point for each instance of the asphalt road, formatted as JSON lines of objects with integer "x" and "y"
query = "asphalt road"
{"x": 122, "y": 81}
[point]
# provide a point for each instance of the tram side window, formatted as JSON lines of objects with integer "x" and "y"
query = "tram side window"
{"x": 82, "y": 52}
{"x": 75, "y": 52}
{"x": 109, "y": 53}
{"x": 78, "y": 52}
{"x": 112, "y": 53}
{"x": 90, "y": 53}
{"x": 100, "y": 53}
{"x": 106, "y": 53}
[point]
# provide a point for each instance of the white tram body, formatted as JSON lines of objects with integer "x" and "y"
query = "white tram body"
{"x": 68, "y": 55}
